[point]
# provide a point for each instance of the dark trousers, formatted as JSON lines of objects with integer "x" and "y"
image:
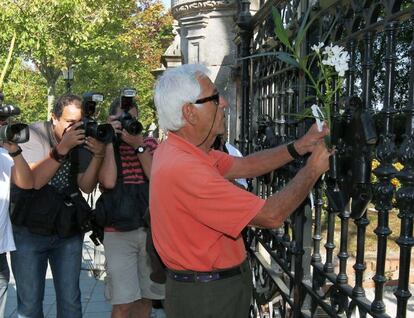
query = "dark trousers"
{"x": 225, "y": 298}
{"x": 4, "y": 282}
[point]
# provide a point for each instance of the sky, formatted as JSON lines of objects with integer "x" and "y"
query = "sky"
{"x": 167, "y": 3}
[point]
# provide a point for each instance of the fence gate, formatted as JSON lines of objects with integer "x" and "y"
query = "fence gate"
{"x": 304, "y": 269}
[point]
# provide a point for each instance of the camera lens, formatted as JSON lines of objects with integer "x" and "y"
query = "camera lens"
{"x": 17, "y": 133}
{"x": 104, "y": 133}
{"x": 133, "y": 127}
{"x": 101, "y": 132}
{"x": 130, "y": 124}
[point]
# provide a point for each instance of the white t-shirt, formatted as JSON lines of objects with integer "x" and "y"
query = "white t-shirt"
{"x": 6, "y": 233}
{"x": 233, "y": 151}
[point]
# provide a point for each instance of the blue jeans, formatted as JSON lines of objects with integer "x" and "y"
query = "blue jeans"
{"x": 4, "y": 282}
{"x": 29, "y": 265}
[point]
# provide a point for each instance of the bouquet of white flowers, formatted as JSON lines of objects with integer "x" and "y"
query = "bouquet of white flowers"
{"x": 332, "y": 62}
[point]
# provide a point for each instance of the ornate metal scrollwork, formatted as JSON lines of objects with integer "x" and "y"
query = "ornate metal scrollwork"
{"x": 272, "y": 91}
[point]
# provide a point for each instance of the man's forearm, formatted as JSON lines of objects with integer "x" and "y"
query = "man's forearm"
{"x": 281, "y": 204}
{"x": 21, "y": 174}
{"x": 146, "y": 163}
{"x": 108, "y": 171}
{"x": 260, "y": 163}
{"x": 43, "y": 171}
{"x": 88, "y": 180}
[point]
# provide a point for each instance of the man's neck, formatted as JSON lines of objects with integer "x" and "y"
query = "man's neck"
{"x": 195, "y": 140}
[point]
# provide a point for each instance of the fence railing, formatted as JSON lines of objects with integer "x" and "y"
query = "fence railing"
{"x": 295, "y": 275}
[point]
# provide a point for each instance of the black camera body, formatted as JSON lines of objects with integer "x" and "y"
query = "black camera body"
{"x": 129, "y": 123}
{"x": 18, "y": 132}
{"x": 101, "y": 132}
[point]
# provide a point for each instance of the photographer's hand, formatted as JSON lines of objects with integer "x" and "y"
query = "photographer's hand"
{"x": 71, "y": 138}
{"x": 96, "y": 147}
{"x": 10, "y": 146}
{"x": 145, "y": 158}
{"x": 21, "y": 175}
{"x": 133, "y": 140}
{"x": 88, "y": 179}
{"x": 116, "y": 124}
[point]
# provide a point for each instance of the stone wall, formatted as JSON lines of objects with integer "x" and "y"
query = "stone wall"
{"x": 207, "y": 32}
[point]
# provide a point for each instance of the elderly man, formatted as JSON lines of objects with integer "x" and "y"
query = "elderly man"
{"x": 197, "y": 214}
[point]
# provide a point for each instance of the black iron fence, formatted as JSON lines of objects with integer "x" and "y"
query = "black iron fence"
{"x": 373, "y": 119}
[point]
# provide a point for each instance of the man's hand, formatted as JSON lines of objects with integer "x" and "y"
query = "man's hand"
{"x": 71, "y": 138}
{"x": 312, "y": 138}
{"x": 319, "y": 159}
{"x": 133, "y": 140}
{"x": 96, "y": 147}
{"x": 9, "y": 146}
{"x": 116, "y": 124}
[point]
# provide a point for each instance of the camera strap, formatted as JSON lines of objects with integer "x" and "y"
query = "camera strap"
{"x": 119, "y": 176}
{"x": 50, "y": 134}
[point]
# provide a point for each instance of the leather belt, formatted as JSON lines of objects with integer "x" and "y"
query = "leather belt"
{"x": 203, "y": 277}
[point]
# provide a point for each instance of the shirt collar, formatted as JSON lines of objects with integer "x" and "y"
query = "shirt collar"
{"x": 181, "y": 143}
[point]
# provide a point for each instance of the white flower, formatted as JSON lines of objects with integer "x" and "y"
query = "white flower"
{"x": 319, "y": 117}
{"x": 317, "y": 47}
{"x": 337, "y": 58}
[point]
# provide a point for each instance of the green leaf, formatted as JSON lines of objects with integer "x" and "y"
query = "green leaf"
{"x": 283, "y": 56}
{"x": 257, "y": 55}
{"x": 287, "y": 58}
{"x": 279, "y": 28}
{"x": 302, "y": 31}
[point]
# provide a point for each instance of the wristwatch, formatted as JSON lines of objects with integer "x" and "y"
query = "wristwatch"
{"x": 140, "y": 149}
{"x": 16, "y": 153}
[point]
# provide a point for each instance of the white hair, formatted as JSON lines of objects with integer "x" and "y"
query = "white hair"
{"x": 175, "y": 88}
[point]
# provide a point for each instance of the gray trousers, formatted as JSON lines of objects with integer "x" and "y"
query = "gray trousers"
{"x": 4, "y": 282}
{"x": 226, "y": 298}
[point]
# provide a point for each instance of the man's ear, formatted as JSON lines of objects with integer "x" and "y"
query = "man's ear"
{"x": 53, "y": 119}
{"x": 190, "y": 113}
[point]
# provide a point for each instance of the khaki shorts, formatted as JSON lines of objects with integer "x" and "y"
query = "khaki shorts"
{"x": 128, "y": 268}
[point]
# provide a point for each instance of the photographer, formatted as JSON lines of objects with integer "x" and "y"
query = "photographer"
{"x": 45, "y": 229}
{"x": 125, "y": 177}
{"x": 14, "y": 169}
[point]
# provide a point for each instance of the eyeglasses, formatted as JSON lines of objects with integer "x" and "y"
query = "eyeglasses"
{"x": 214, "y": 98}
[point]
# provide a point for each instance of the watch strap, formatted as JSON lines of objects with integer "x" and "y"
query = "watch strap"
{"x": 55, "y": 155}
{"x": 16, "y": 153}
{"x": 292, "y": 151}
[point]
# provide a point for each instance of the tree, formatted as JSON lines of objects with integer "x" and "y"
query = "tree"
{"x": 94, "y": 35}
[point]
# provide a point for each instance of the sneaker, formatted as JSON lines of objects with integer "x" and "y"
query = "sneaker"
{"x": 158, "y": 313}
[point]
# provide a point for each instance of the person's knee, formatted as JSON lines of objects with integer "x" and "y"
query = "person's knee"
{"x": 30, "y": 308}
{"x": 123, "y": 308}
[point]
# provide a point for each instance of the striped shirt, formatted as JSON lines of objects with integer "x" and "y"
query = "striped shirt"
{"x": 132, "y": 172}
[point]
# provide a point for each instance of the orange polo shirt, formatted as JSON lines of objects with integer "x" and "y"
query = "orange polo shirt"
{"x": 196, "y": 214}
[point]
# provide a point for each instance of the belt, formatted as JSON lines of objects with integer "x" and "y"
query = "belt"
{"x": 203, "y": 277}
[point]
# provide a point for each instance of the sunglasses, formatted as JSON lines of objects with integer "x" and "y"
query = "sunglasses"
{"x": 213, "y": 98}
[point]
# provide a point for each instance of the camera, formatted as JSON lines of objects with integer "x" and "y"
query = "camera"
{"x": 18, "y": 132}
{"x": 90, "y": 224}
{"x": 129, "y": 123}
{"x": 102, "y": 132}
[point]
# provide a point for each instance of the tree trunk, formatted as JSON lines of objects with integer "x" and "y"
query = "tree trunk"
{"x": 51, "y": 92}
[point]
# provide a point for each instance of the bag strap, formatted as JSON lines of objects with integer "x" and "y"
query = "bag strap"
{"x": 119, "y": 176}
{"x": 49, "y": 132}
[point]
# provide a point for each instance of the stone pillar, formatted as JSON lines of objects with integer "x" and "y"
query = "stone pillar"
{"x": 207, "y": 32}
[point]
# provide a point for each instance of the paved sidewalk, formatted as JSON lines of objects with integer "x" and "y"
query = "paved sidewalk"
{"x": 92, "y": 286}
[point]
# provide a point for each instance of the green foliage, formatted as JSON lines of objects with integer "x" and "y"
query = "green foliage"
{"x": 111, "y": 43}
{"x": 27, "y": 90}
